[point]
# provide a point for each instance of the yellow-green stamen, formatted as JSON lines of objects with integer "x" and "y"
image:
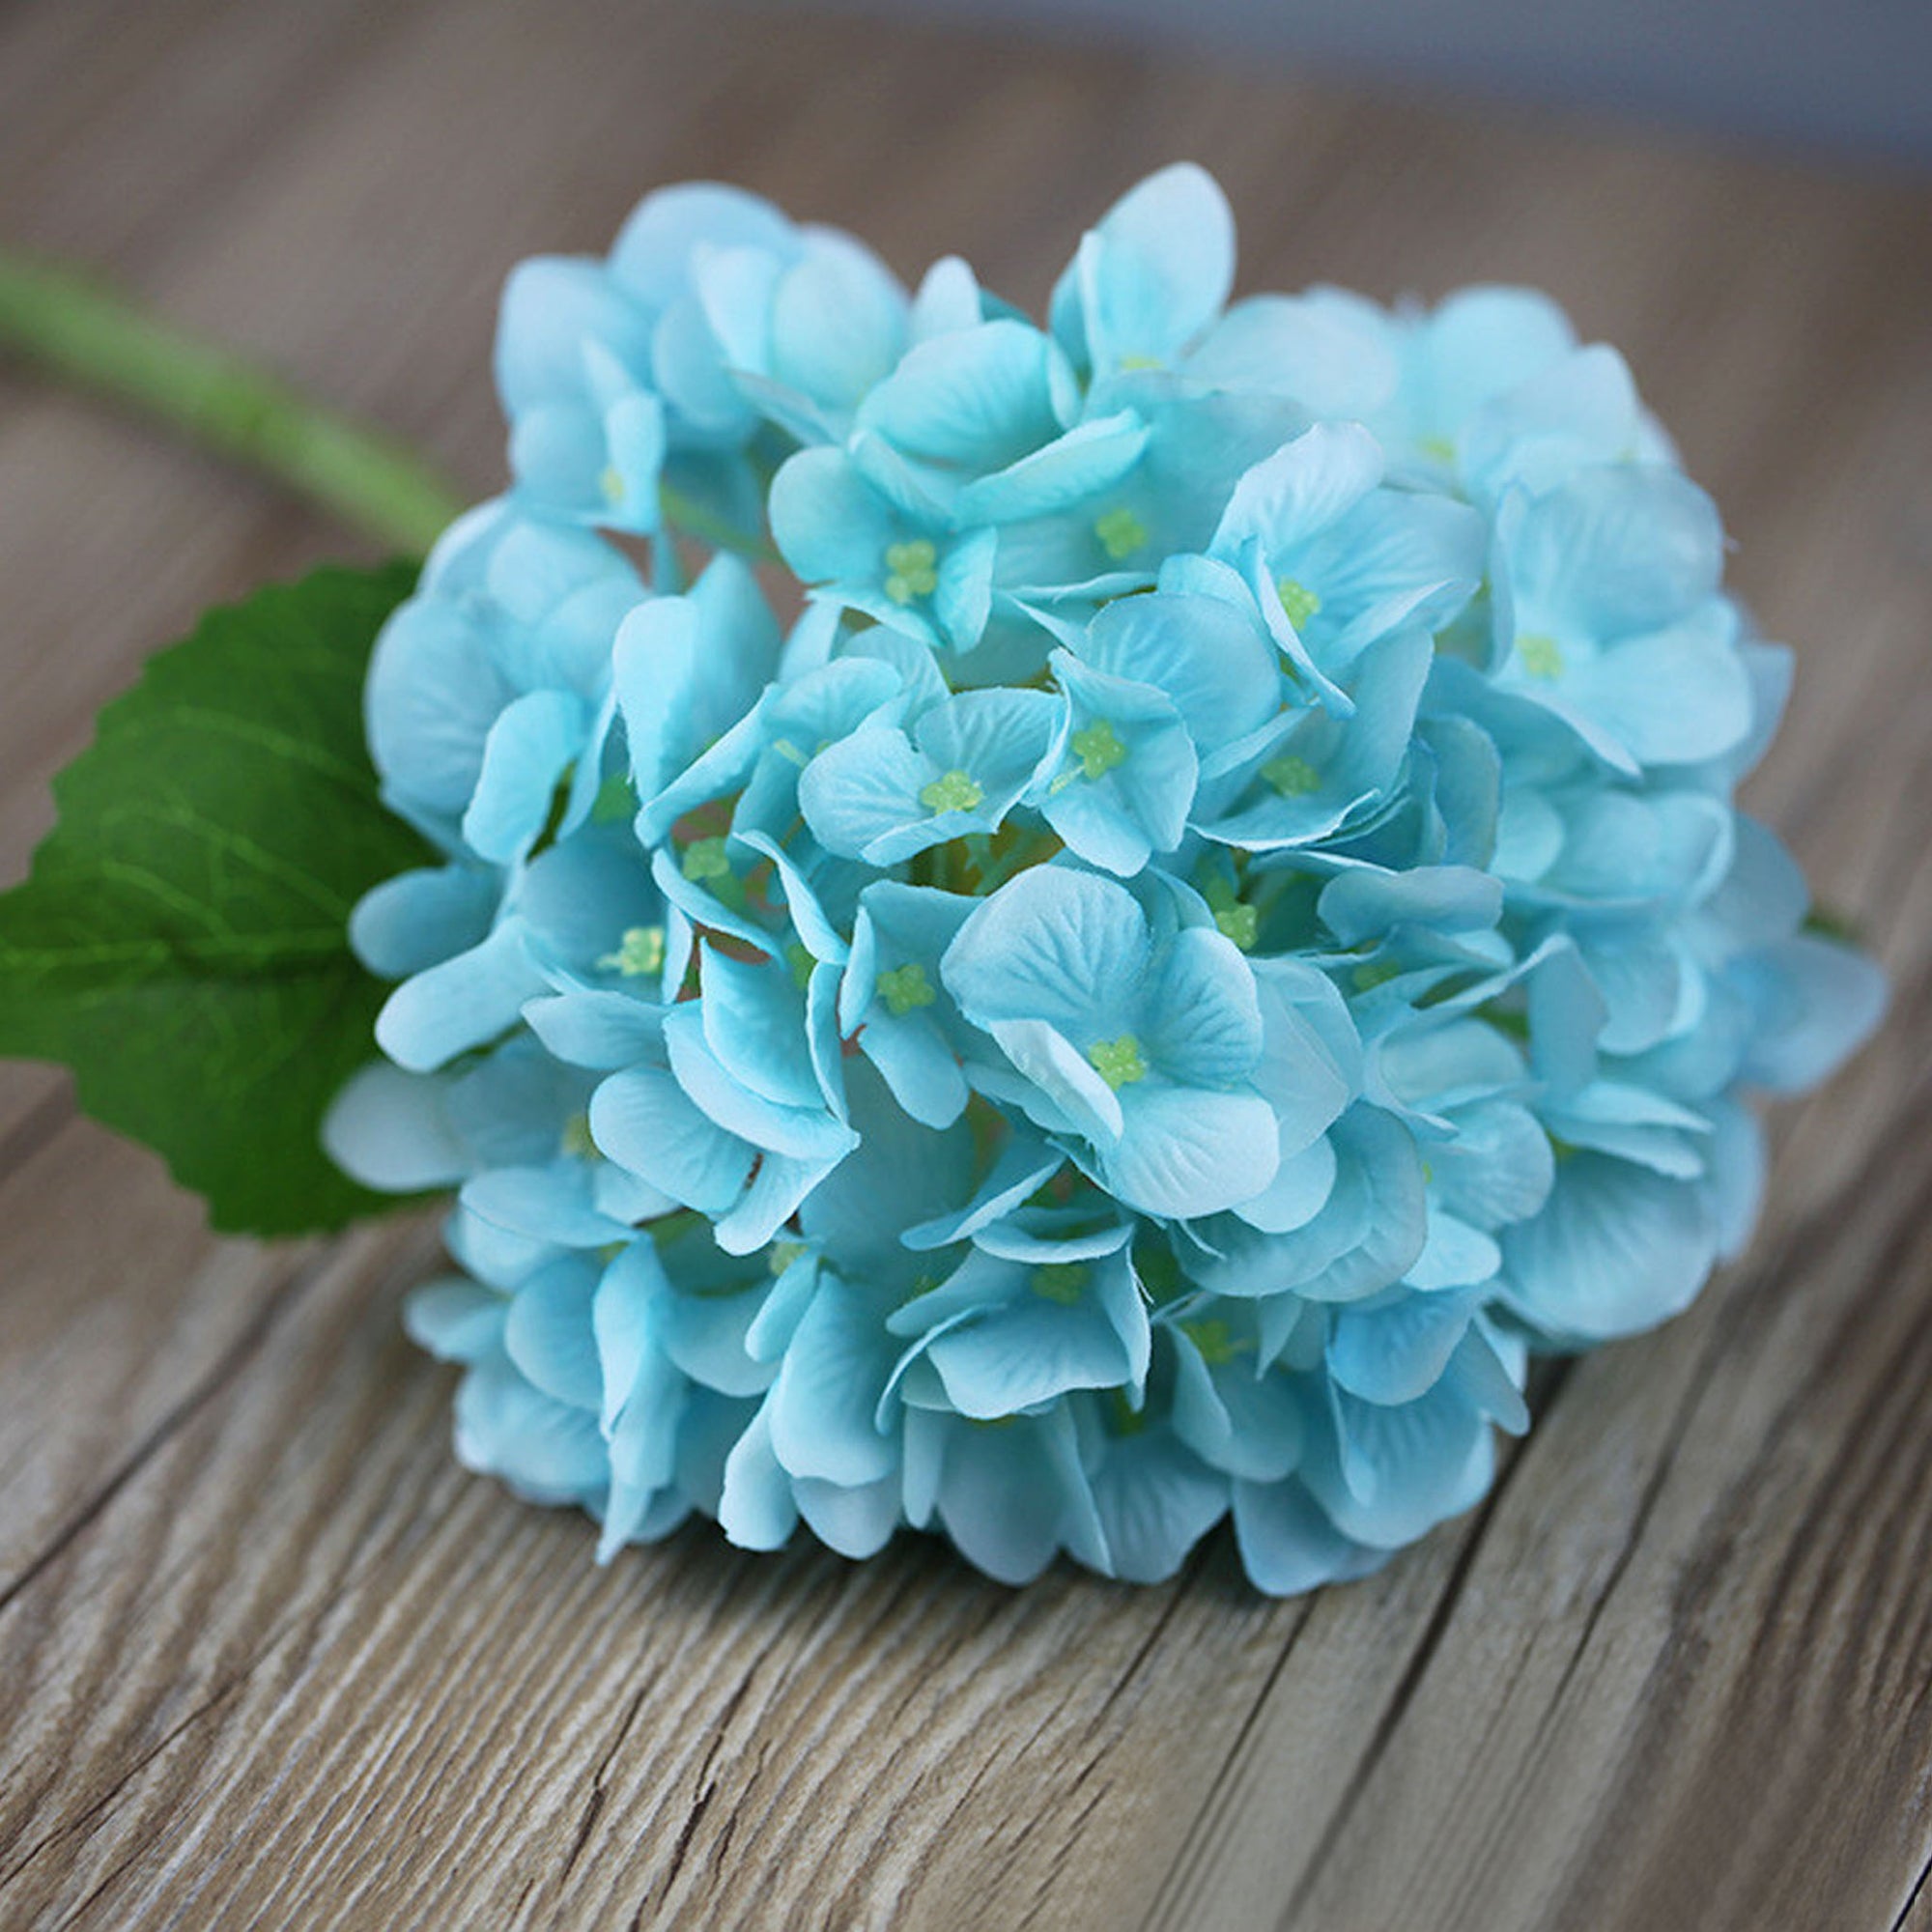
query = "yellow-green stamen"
{"x": 906, "y": 988}
{"x": 1291, "y": 776}
{"x": 707, "y": 858}
{"x": 1061, "y": 1281}
{"x": 1298, "y": 603}
{"x": 955, "y": 791}
{"x": 1099, "y": 749}
{"x": 1541, "y": 654}
{"x": 1216, "y": 1340}
{"x": 1121, "y": 533}
{"x": 639, "y": 952}
{"x": 912, "y": 570}
{"x": 1239, "y": 923}
{"x": 1117, "y": 1061}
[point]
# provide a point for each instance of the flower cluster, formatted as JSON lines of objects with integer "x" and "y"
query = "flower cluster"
{"x": 1214, "y": 927}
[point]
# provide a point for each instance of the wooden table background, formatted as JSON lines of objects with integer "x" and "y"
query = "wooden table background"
{"x": 269, "y": 1658}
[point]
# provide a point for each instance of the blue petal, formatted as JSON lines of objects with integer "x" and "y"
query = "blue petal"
{"x": 833, "y": 1375}
{"x": 1291, "y": 344}
{"x": 461, "y": 1003}
{"x": 1054, "y": 944}
{"x": 1011, "y": 1497}
{"x": 1155, "y": 1501}
{"x": 1817, "y": 1002}
{"x": 653, "y": 251}
{"x": 753, "y": 1023}
{"x": 864, "y": 788}
{"x": 1129, "y": 811}
{"x": 829, "y": 524}
{"x": 456, "y": 1319}
{"x": 548, "y": 1334}
{"x": 1616, "y": 1250}
{"x": 1300, "y": 489}
{"x": 856, "y": 1522}
{"x": 1153, "y": 274}
{"x": 418, "y": 919}
{"x": 1389, "y": 1475}
{"x": 756, "y": 1510}
{"x": 1188, "y": 1153}
{"x": 977, "y": 398}
{"x": 1208, "y": 656}
{"x": 838, "y": 323}
{"x": 1287, "y": 1544}
{"x": 1204, "y": 1019}
{"x": 547, "y": 1450}
{"x": 552, "y": 306}
{"x": 643, "y": 1119}
{"x": 388, "y": 1129}
{"x": 1089, "y": 458}
{"x": 529, "y": 746}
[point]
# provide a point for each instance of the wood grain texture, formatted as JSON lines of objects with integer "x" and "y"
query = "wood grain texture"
{"x": 268, "y": 1658}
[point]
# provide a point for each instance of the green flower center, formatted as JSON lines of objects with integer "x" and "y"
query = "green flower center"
{"x": 707, "y": 858}
{"x": 1297, "y": 601}
{"x": 1121, "y": 533}
{"x": 576, "y": 1141}
{"x": 799, "y": 958}
{"x": 1542, "y": 655}
{"x": 641, "y": 951}
{"x": 1099, "y": 749}
{"x": 1239, "y": 923}
{"x": 955, "y": 792}
{"x": 905, "y": 988}
{"x": 1292, "y": 777}
{"x": 1117, "y": 1061}
{"x": 1061, "y": 1282}
{"x": 611, "y": 484}
{"x": 616, "y": 801}
{"x": 912, "y": 570}
{"x": 784, "y": 1254}
{"x": 1216, "y": 1341}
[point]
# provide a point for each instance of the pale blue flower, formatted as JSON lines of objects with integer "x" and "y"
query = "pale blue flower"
{"x": 1221, "y": 925}
{"x": 712, "y": 312}
{"x": 1139, "y": 1054}
{"x": 491, "y": 681}
{"x": 1607, "y": 616}
{"x": 1150, "y": 278}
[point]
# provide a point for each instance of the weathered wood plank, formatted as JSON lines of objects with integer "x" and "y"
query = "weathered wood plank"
{"x": 269, "y": 1658}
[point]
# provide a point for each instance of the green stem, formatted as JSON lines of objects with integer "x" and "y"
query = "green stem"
{"x": 92, "y": 337}
{"x": 68, "y": 325}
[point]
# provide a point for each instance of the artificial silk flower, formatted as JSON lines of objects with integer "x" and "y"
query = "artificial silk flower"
{"x": 1220, "y": 930}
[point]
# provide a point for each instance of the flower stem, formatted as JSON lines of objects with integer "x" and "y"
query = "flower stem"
{"x": 84, "y": 332}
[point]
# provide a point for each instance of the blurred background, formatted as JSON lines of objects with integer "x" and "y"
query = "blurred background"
{"x": 1850, "y": 77}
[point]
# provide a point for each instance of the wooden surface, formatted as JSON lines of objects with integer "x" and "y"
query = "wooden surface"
{"x": 268, "y": 1658}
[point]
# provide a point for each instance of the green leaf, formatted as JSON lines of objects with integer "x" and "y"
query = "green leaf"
{"x": 181, "y": 942}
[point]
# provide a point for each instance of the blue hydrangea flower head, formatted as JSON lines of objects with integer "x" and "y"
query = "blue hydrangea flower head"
{"x": 1217, "y": 928}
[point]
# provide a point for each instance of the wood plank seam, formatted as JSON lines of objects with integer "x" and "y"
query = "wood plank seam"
{"x": 247, "y": 1344}
{"x": 1413, "y": 1672}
